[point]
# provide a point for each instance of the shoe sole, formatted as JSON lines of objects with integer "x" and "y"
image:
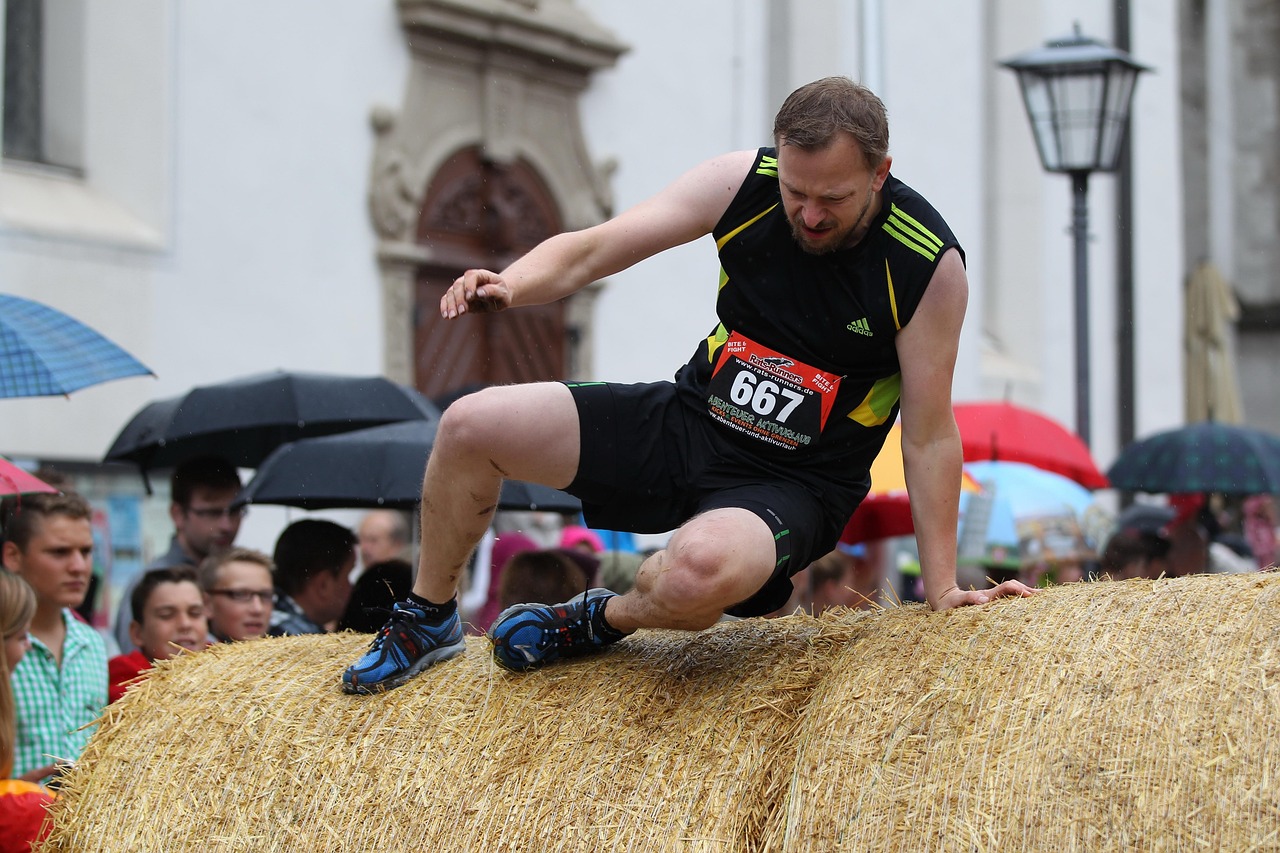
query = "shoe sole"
{"x": 436, "y": 655}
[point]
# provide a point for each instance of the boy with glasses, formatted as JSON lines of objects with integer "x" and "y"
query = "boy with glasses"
{"x": 238, "y": 594}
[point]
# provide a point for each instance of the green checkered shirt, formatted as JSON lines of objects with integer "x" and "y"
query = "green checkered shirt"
{"x": 55, "y": 705}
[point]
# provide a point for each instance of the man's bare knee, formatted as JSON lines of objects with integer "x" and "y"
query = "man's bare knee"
{"x": 695, "y": 583}
{"x": 464, "y": 428}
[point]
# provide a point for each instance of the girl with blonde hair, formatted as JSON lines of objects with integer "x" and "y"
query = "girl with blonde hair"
{"x": 23, "y": 804}
{"x": 17, "y": 607}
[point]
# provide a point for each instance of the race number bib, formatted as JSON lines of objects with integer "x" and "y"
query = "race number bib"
{"x": 769, "y": 396}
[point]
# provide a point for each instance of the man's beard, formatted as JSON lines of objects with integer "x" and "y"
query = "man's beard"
{"x": 835, "y": 240}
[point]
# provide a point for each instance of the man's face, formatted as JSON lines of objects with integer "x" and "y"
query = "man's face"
{"x": 208, "y": 525}
{"x": 336, "y": 592}
{"x": 57, "y": 562}
{"x": 233, "y": 619}
{"x": 829, "y": 194}
{"x": 377, "y": 544}
{"x": 173, "y": 616}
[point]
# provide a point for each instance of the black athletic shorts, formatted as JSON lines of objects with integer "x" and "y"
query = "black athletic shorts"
{"x": 650, "y": 462}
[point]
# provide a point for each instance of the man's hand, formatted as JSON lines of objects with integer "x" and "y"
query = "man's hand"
{"x": 477, "y": 291}
{"x": 39, "y": 773}
{"x": 956, "y": 597}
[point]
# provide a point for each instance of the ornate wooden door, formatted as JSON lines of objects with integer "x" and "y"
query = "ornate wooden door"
{"x": 479, "y": 214}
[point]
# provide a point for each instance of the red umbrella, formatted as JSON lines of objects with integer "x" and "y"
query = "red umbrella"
{"x": 1005, "y": 432}
{"x": 15, "y": 481}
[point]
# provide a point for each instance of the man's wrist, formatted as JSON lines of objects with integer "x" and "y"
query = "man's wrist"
{"x": 934, "y": 599}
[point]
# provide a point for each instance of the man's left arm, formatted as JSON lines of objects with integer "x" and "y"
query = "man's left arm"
{"x": 931, "y": 454}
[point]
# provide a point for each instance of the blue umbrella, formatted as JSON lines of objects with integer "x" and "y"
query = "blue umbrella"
{"x": 44, "y": 352}
{"x": 1037, "y": 514}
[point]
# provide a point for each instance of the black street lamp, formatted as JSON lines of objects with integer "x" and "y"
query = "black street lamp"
{"x": 1077, "y": 91}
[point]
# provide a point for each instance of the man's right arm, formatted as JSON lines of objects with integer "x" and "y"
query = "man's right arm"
{"x": 685, "y": 210}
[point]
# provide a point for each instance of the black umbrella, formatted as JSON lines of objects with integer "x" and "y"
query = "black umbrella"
{"x": 1202, "y": 457}
{"x": 519, "y": 494}
{"x": 376, "y": 467}
{"x": 245, "y": 419}
{"x": 1147, "y": 518}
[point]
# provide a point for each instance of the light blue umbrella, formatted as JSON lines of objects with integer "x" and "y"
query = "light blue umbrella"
{"x": 1043, "y": 514}
{"x": 45, "y": 353}
{"x": 988, "y": 533}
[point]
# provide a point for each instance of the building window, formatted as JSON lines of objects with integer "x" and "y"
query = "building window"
{"x": 44, "y": 83}
{"x": 23, "y": 64}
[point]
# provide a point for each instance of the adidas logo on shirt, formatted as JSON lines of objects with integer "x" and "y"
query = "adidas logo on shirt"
{"x": 861, "y": 327}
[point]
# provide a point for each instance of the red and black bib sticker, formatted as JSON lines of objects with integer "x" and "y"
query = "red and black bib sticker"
{"x": 770, "y": 396}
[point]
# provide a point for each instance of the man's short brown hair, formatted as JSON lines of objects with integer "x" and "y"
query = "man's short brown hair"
{"x": 151, "y": 580}
{"x": 209, "y": 566}
{"x": 308, "y": 547}
{"x": 812, "y": 115}
{"x": 202, "y": 472}
{"x": 546, "y": 577}
{"x": 19, "y": 514}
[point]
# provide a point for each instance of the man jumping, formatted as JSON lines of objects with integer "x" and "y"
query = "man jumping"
{"x": 842, "y": 293}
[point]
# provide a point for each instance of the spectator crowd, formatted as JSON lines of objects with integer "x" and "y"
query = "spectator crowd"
{"x": 322, "y": 577}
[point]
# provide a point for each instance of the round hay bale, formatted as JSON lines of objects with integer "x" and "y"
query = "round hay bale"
{"x": 668, "y": 741}
{"x": 1142, "y": 715}
{"x": 1106, "y": 716}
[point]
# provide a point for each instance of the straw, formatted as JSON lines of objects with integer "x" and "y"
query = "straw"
{"x": 254, "y": 747}
{"x": 1100, "y": 716}
{"x": 1107, "y": 716}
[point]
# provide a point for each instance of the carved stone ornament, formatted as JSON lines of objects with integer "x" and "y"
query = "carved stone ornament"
{"x": 502, "y": 78}
{"x": 394, "y": 196}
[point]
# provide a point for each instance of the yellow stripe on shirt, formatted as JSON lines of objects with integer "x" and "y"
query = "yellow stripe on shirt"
{"x": 726, "y": 238}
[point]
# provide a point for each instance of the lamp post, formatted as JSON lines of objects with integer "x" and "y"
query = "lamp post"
{"x": 1077, "y": 92}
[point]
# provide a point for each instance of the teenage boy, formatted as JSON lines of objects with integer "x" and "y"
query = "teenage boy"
{"x": 61, "y": 684}
{"x": 169, "y": 617}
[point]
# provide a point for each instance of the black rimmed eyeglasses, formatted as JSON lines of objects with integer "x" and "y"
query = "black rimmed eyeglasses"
{"x": 213, "y": 513}
{"x": 244, "y": 596}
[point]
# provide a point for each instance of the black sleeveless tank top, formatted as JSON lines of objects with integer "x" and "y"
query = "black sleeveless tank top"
{"x": 802, "y": 371}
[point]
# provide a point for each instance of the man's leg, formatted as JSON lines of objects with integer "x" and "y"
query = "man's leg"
{"x": 518, "y": 432}
{"x": 715, "y": 560}
{"x": 524, "y": 432}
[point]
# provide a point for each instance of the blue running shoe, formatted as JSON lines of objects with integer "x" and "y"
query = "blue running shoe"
{"x": 527, "y": 636}
{"x": 404, "y": 647}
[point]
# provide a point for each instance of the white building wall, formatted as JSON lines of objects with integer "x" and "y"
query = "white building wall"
{"x": 227, "y": 148}
{"x": 222, "y": 226}
{"x": 690, "y": 88}
{"x": 1159, "y": 276}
